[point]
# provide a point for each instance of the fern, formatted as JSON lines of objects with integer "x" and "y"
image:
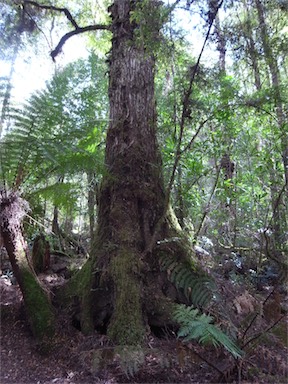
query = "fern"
{"x": 199, "y": 290}
{"x": 198, "y": 326}
{"x": 59, "y": 131}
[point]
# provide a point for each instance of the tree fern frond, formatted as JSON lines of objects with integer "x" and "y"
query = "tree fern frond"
{"x": 183, "y": 276}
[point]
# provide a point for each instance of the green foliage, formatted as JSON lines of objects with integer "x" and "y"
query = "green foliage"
{"x": 198, "y": 290}
{"x": 57, "y": 136}
{"x": 148, "y": 18}
{"x": 61, "y": 194}
{"x": 199, "y": 326}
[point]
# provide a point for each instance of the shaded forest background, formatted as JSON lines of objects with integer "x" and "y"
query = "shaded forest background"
{"x": 222, "y": 131}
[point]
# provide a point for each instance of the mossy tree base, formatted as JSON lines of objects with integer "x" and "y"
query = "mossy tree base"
{"x": 122, "y": 294}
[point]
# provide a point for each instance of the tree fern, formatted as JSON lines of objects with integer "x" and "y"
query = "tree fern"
{"x": 53, "y": 131}
{"x": 198, "y": 326}
{"x": 199, "y": 290}
{"x": 58, "y": 134}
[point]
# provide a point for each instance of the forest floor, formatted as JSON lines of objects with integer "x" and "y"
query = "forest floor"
{"x": 75, "y": 358}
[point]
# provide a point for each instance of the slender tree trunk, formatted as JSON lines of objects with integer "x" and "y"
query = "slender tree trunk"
{"x": 180, "y": 211}
{"x": 221, "y": 44}
{"x": 252, "y": 51}
{"x": 275, "y": 81}
{"x": 226, "y": 164}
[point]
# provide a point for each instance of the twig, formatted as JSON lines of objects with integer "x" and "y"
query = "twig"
{"x": 208, "y": 362}
{"x": 256, "y": 315}
{"x": 206, "y": 210}
{"x": 262, "y": 333}
{"x": 189, "y": 145}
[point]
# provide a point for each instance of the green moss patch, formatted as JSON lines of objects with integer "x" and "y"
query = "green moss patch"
{"x": 38, "y": 307}
{"x": 126, "y": 326}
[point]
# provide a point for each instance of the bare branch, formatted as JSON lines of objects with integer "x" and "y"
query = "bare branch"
{"x": 265, "y": 331}
{"x": 67, "y": 36}
{"x": 76, "y": 31}
{"x": 52, "y": 8}
{"x": 189, "y": 145}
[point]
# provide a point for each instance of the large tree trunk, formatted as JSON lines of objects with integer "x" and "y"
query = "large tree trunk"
{"x": 121, "y": 287}
{"x": 132, "y": 196}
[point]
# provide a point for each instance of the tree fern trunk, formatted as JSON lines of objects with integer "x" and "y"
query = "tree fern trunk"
{"x": 37, "y": 304}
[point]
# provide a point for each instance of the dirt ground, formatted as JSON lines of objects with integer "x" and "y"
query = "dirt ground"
{"x": 75, "y": 358}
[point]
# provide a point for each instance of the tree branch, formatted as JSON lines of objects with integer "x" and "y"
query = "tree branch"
{"x": 77, "y": 31}
{"x": 189, "y": 145}
{"x": 265, "y": 331}
{"x": 52, "y": 8}
{"x": 67, "y": 36}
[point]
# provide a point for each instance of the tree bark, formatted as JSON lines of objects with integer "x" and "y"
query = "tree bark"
{"x": 92, "y": 198}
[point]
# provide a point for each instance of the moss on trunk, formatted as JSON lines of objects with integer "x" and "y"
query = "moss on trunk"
{"x": 38, "y": 307}
{"x": 126, "y": 325}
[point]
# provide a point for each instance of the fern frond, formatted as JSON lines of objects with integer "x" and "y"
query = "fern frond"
{"x": 198, "y": 326}
{"x": 62, "y": 194}
{"x": 59, "y": 129}
{"x": 199, "y": 290}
